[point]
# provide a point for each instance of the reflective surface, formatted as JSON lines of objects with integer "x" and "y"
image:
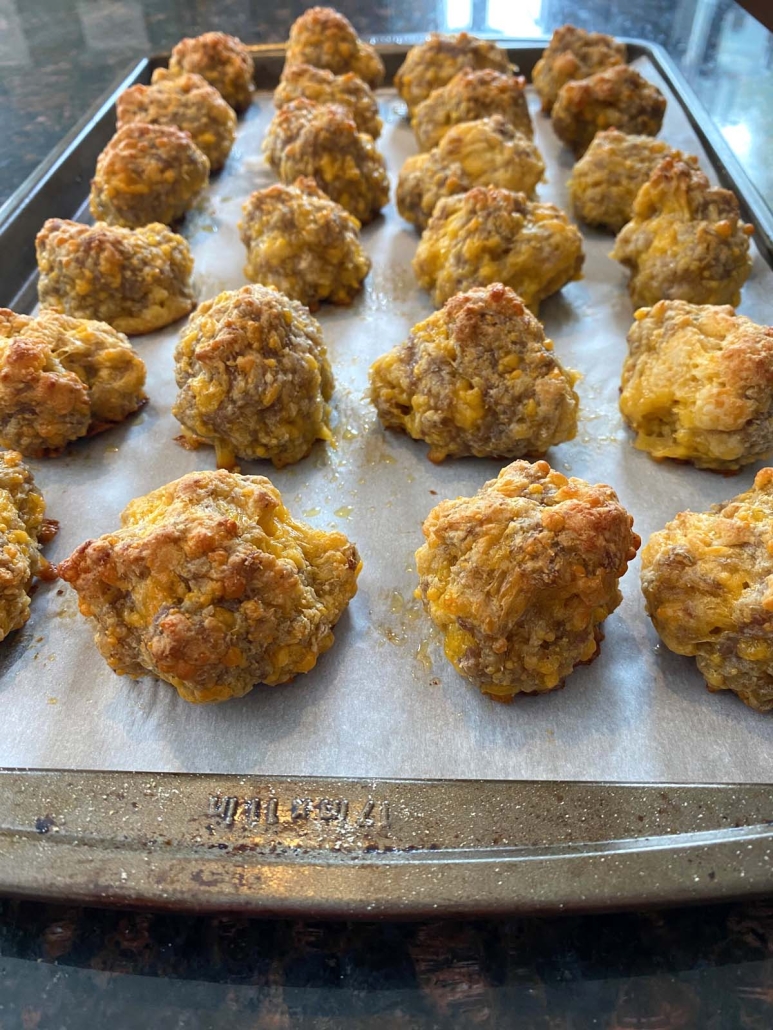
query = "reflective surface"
{"x": 58, "y": 56}
{"x": 690, "y": 969}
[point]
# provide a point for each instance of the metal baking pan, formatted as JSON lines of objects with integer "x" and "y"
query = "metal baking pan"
{"x": 224, "y": 828}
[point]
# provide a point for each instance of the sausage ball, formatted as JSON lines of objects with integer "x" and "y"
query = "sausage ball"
{"x": 434, "y": 62}
{"x": 325, "y": 38}
{"x": 477, "y": 378}
{"x": 212, "y": 586}
{"x": 520, "y": 577}
{"x": 224, "y": 61}
{"x": 573, "y": 54}
{"x": 491, "y": 235}
{"x": 489, "y": 152}
{"x": 617, "y": 98}
{"x": 471, "y": 95}
{"x": 324, "y": 144}
{"x": 147, "y": 173}
{"x": 62, "y": 378}
{"x": 253, "y": 377}
{"x": 136, "y": 280}
{"x": 698, "y": 385}
{"x": 188, "y": 102}
{"x": 323, "y": 87}
{"x": 606, "y": 179}
{"x": 707, "y": 580}
{"x": 686, "y": 240}
{"x": 23, "y": 531}
{"x": 303, "y": 243}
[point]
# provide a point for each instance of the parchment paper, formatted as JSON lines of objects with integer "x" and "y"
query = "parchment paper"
{"x": 385, "y": 702}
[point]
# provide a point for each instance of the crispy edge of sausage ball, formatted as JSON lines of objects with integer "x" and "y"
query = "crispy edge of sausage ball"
{"x": 23, "y": 531}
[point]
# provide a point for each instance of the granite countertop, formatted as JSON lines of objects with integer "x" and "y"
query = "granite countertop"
{"x": 69, "y": 967}
{"x": 689, "y": 969}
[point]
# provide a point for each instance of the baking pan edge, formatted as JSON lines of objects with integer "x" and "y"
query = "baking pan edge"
{"x": 384, "y": 848}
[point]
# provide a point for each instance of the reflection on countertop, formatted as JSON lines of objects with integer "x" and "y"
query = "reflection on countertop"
{"x": 688, "y": 969}
{"x": 58, "y": 56}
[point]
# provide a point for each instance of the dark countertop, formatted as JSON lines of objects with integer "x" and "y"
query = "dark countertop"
{"x": 689, "y": 969}
{"x": 703, "y": 968}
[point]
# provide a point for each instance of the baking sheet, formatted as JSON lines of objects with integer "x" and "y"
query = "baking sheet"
{"x": 384, "y": 702}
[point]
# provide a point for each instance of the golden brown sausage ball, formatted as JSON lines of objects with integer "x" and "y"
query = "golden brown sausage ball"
{"x": 324, "y": 144}
{"x": 303, "y": 243}
{"x": 136, "y": 280}
{"x": 573, "y": 53}
{"x": 491, "y": 235}
{"x": 23, "y": 531}
{"x": 471, "y": 95}
{"x": 325, "y": 38}
{"x": 606, "y": 179}
{"x": 520, "y": 577}
{"x": 698, "y": 385}
{"x": 212, "y": 586}
{"x": 618, "y": 98}
{"x": 434, "y": 62}
{"x": 147, "y": 173}
{"x": 188, "y": 102}
{"x": 323, "y": 87}
{"x": 489, "y": 152}
{"x": 686, "y": 240}
{"x": 477, "y": 378}
{"x": 253, "y": 377}
{"x": 62, "y": 378}
{"x": 707, "y": 579}
{"x": 224, "y": 61}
